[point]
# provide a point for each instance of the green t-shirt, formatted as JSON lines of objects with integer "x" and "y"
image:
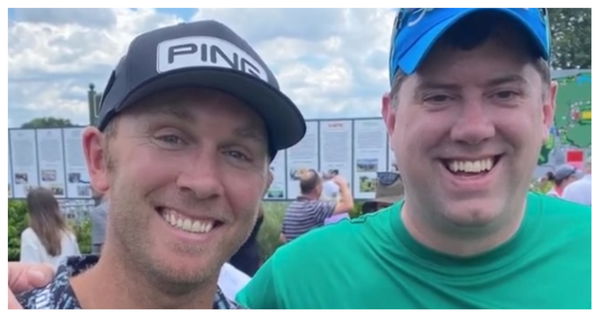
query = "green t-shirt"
{"x": 373, "y": 262}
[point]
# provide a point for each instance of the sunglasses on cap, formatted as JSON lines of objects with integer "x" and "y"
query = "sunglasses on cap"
{"x": 416, "y": 30}
{"x": 387, "y": 178}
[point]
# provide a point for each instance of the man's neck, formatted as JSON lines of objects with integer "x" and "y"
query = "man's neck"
{"x": 112, "y": 284}
{"x": 311, "y": 195}
{"x": 461, "y": 241}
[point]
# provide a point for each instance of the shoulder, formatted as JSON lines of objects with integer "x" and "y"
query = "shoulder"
{"x": 337, "y": 236}
{"x": 559, "y": 209}
{"x": 28, "y": 234}
{"x": 557, "y": 204}
{"x": 56, "y": 295}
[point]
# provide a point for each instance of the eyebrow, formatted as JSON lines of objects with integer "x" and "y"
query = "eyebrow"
{"x": 493, "y": 82}
{"x": 435, "y": 85}
{"x": 180, "y": 113}
{"x": 506, "y": 79}
{"x": 248, "y": 131}
{"x": 251, "y": 132}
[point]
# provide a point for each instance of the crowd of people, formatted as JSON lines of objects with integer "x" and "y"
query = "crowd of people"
{"x": 182, "y": 157}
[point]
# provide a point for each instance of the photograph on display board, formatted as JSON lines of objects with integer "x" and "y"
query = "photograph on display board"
{"x": 83, "y": 190}
{"x": 366, "y": 165}
{"x": 57, "y": 189}
{"x": 367, "y": 183}
{"x": 48, "y": 175}
{"x": 21, "y": 178}
{"x": 74, "y": 177}
{"x": 275, "y": 193}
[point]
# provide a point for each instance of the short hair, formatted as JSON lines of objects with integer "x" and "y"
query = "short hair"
{"x": 309, "y": 180}
{"x": 472, "y": 32}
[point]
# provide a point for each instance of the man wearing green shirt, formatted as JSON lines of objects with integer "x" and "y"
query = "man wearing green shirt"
{"x": 470, "y": 106}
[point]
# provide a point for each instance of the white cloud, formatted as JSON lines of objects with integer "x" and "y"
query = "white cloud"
{"x": 342, "y": 72}
{"x": 331, "y": 62}
{"x": 55, "y": 53}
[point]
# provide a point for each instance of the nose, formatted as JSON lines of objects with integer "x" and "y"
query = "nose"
{"x": 473, "y": 124}
{"x": 201, "y": 177}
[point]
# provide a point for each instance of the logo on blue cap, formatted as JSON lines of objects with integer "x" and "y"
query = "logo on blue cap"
{"x": 417, "y": 30}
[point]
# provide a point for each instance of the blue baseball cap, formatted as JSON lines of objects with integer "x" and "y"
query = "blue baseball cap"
{"x": 416, "y": 31}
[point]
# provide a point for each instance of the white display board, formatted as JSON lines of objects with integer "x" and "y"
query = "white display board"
{"x": 336, "y": 148}
{"x": 9, "y": 175}
{"x": 370, "y": 156}
{"x": 51, "y": 168}
{"x": 24, "y": 161}
{"x": 355, "y": 148}
{"x": 303, "y": 155}
{"x": 277, "y": 189}
{"x": 78, "y": 180}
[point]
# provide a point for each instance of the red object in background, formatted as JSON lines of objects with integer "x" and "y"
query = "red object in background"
{"x": 575, "y": 157}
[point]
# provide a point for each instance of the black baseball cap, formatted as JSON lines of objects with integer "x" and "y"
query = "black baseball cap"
{"x": 204, "y": 54}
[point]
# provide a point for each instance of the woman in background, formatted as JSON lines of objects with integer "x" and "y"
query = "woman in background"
{"x": 47, "y": 239}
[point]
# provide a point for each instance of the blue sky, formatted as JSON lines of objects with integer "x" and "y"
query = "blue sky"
{"x": 331, "y": 62}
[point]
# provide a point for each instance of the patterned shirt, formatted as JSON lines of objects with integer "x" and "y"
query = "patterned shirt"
{"x": 305, "y": 214}
{"x": 60, "y": 295}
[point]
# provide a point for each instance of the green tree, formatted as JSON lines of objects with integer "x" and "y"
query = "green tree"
{"x": 48, "y": 122}
{"x": 571, "y": 38}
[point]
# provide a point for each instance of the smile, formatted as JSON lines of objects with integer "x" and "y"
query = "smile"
{"x": 185, "y": 223}
{"x": 471, "y": 167}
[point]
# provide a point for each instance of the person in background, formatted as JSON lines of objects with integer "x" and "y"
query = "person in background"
{"x": 388, "y": 189}
{"x": 231, "y": 280}
{"x": 48, "y": 239}
{"x": 564, "y": 175}
{"x": 308, "y": 211}
{"x": 98, "y": 218}
{"x": 331, "y": 192}
{"x": 580, "y": 191}
{"x": 247, "y": 258}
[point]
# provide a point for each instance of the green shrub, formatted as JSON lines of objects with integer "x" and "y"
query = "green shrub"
{"x": 17, "y": 222}
{"x": 356, "y": 210}
{"x": 83, "y": 232}
{"x": 268, "y": 234}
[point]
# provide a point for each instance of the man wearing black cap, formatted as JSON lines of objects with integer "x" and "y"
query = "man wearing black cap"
{"x": 470, "y": 106}
{"x": 189, "y": 121}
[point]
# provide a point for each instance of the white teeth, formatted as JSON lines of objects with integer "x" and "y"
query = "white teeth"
{"x": 453, "y": 166}
{"x": 181, "y": 222}
{"x": 196, "y": 226}
{"x": 187, "y": 224}
{"x": 474, "y": 166}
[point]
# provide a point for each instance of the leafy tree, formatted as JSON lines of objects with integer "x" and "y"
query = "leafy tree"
{"x": 571, "y": 38}
{"x": 48, "y": 122}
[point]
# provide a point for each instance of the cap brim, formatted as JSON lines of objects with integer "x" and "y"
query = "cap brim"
{"x": 417, "y": 53}
{"x": 284, "y": 122}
